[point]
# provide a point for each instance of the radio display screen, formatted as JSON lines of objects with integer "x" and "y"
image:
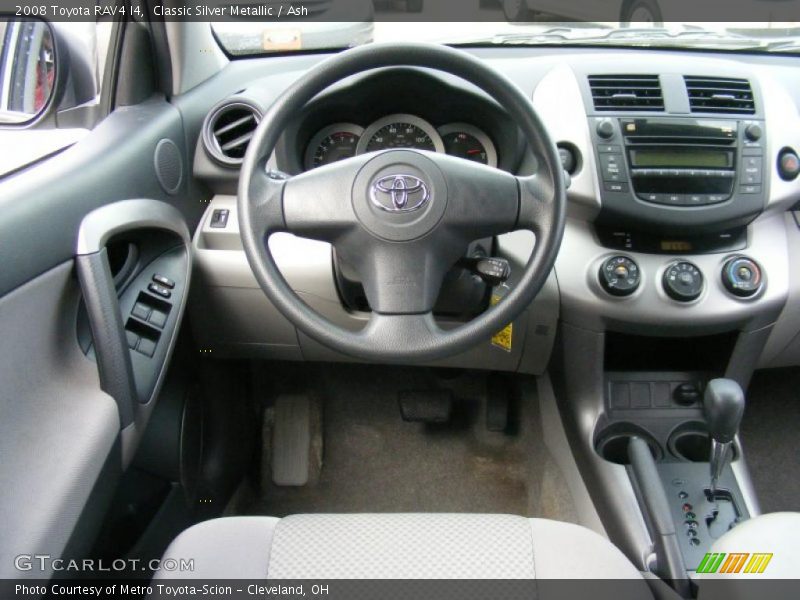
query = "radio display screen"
{"x": 681, "y": 158}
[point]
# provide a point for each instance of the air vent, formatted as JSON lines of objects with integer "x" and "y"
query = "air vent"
{"x": 720, "y": 95}
{"x": 626, "y": 93}
{"x": 228, "y": 131}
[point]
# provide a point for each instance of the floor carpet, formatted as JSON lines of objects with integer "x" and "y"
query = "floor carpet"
{"x": 372, "y": 461}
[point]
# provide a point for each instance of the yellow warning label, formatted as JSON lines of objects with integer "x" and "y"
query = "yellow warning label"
{"x": 502, "y": 339}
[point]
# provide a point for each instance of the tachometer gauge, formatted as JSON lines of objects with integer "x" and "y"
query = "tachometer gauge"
{"x": 400, "y": 131}
{"x": 332, "y": 144}
{"x": 469, "y": 142}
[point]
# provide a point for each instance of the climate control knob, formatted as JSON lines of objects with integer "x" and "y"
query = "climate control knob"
{"x": 620, "y": 276}
{"x": 742, "y": 276}
{"x": 683, "y": 281}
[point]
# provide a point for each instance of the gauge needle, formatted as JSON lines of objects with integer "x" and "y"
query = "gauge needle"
{"x": 475, "y": 151}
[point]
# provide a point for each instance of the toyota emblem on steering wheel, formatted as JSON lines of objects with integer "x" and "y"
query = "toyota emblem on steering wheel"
{"x": 399, "y": 193}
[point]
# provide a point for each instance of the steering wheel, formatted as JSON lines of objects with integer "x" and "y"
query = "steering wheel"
{"x": 401, "y": 218}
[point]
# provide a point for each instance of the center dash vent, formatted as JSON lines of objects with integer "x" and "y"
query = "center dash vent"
{"x": 228, "y": 130}
{"x": 720, "y": 95}
{"x": 626, "y": 92}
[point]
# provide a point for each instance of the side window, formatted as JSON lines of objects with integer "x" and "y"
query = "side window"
{"x": 41, "y": 63}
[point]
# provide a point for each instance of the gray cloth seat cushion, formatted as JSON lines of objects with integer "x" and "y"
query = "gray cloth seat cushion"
{"x": 397, "y": 546}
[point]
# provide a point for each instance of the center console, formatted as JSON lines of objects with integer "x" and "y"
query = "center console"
{"x": 674, "y": 282}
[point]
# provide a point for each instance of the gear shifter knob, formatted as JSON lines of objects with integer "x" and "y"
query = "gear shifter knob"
{"x": 723, "y": 405}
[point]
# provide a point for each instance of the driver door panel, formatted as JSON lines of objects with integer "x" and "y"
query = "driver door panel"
{"x": 63, "y": 440}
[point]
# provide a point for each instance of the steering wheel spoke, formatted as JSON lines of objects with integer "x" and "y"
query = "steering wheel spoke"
{"x": 482, "y": 201}
{"x": 401, "y": 331}
{"x": 265, "y": 208}
{"x": 537, "y": 202}
{"x": 399, "y": 278}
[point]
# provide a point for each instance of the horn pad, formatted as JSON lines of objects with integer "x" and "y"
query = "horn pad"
{"x": 400, "y": 195}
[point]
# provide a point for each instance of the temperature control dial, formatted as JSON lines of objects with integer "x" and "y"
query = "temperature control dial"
{"x": 683, "y": 281}
{"x": 742, "y": 276}
{"x": 620, "y": 276}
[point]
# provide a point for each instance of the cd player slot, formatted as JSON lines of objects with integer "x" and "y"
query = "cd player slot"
{"x": 678, "y": 140}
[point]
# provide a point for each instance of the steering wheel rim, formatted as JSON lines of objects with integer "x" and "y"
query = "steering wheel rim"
{"x": 402, "y": 327}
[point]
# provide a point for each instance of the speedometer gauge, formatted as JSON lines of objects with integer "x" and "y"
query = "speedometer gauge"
{"x": 469, "y": 142}
{"x": 400, "y": 131}
{"x": 332, "y": 144}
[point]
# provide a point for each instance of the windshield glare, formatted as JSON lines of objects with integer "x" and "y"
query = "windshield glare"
{"x": 249, "y": 38}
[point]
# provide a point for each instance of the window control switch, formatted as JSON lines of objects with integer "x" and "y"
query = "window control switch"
{"x": 133, "y": 339}
{"x": 158, "y": 318}
{"x": 165, "y": 281}
{"x": 141, "y": 311}
{"x": 146, "y": 347}
{"x": 159, "y": 290}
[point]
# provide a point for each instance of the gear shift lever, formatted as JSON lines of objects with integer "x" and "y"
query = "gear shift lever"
{"x": 723, "y": 405}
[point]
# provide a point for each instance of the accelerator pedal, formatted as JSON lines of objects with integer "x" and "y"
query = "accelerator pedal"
{"x": 426, "y": 406}
{"x": 498, "y": 396}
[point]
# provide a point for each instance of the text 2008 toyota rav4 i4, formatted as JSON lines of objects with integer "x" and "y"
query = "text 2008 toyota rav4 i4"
{"x": 477, "y": 309}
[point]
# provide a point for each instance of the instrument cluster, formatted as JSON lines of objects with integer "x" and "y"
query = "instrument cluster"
{"x": 344, "y": 140}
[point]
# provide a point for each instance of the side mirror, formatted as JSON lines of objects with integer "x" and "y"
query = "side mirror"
{"x": 27, "y": 69}
{"x": 45, "y": 68}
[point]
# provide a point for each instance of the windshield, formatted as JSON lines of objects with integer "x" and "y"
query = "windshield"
{"x": 249, "y": 38}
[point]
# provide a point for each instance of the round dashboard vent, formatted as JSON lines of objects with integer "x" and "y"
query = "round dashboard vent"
{"x": 228, "y": 130}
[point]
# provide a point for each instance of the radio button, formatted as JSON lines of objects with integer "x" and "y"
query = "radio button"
{"x": 696, "y": 199}
{"x": 750, "y": 189}
{"x": 751, "y": 169}
{"x": 609, "y": 149}
{"x": 613, "y": 167}
{"x": 673, "y": 199}
{"x": 605, "y": 129}
{"x": 714, "y": 198}
{"x": 753, "y": 132}
{"x": 616, "y": 187}
{"x": 656, "y": 198}
{"x": 752, "y": 151}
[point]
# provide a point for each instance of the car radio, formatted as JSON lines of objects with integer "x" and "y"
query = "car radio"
{"x": 683, "y": 172}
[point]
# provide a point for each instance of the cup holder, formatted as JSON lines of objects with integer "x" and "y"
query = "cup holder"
{"x": 612, "y": 443}
{"x": 693, "y": 446}
{"x": 691, "y": 442}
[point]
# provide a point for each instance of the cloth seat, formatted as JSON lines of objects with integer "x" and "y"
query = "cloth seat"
{"x": 397, "y": 546}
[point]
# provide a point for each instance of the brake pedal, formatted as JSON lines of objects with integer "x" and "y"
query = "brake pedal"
{"x": 426, "y": 406}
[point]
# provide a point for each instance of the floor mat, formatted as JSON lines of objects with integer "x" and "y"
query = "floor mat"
{"x": 769, "y": 435}
{"x": 375, "y": 462}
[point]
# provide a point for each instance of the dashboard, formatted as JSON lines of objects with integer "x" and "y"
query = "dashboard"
{"x": 683, "y": 175}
